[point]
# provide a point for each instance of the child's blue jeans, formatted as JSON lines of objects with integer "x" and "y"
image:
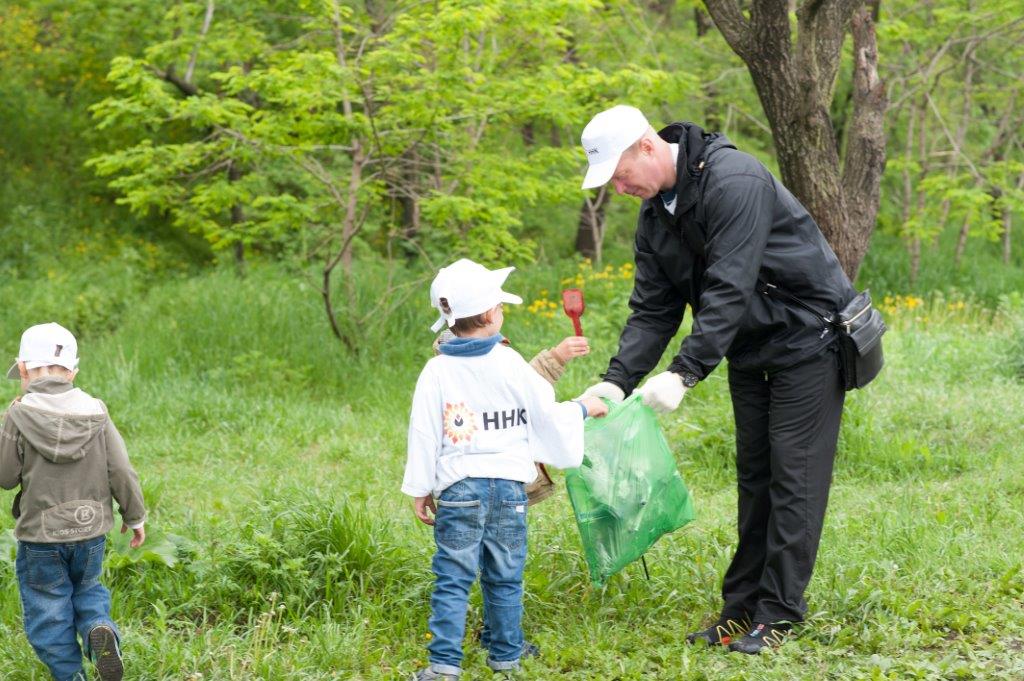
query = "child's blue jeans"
{"x": 480, "y": 525}
{"x": 62, "y": 599}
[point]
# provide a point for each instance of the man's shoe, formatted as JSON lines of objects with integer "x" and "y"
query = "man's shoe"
{"x": 722, "y": 632}
{"x": 106, "y": 654}
{"x": 760, "y": 637}
{"x": 429, "y": 674}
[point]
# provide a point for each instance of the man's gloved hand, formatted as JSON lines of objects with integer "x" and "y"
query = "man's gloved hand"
{"x": 606, "y": 390}
{"x": 663, "y": 392}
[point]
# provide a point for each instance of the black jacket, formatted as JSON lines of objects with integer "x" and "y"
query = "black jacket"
{"x": 735, "y": 226}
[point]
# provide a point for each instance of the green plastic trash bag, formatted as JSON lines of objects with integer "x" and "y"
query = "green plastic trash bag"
{"x": 628, "y": 492}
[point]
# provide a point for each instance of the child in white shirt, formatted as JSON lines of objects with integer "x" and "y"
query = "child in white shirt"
{"x": 481, "y": 417}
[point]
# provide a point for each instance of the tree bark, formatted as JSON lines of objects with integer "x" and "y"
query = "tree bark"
{"x": 590, "y": 231}
{"x": 795, "y": 85}
{"x": 961, "y": 240}
{"x": 1007, "y": 225}
{"x": 922, "y": 172}
{"x": 237, "y": 217}
{"x": 712, "y": 110}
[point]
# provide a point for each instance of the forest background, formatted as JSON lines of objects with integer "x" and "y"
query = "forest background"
{"x": 237, "y": 207}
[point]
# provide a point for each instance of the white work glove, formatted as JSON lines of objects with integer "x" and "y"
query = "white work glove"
{"x": 604, "y": 389}
{"x": 663, "y": 392}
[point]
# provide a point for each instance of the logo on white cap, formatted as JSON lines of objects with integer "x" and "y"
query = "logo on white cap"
{"x": 46, "y": 345}
{"x": 469, "y": 289}
{"x": 606, "y": 136}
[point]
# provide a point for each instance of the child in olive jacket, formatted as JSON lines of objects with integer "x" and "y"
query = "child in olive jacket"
{"x": 59, "y": 444}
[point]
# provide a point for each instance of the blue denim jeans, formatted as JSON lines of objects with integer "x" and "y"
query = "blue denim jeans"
{"x": 62, "y": 599}
{"x": 480, "y": 526}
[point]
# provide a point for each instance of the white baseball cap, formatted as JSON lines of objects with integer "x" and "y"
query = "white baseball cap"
{"x": 45, "y": 345}
{"x": 606, "y": 136}
{"x": 470, "y": 289}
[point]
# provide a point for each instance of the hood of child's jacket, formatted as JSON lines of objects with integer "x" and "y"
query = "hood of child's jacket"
{"x": 57, "y": 419}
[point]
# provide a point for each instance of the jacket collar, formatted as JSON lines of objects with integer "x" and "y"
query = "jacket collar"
{"x": 695, "y": 146}
{"x": 50, "y": 385}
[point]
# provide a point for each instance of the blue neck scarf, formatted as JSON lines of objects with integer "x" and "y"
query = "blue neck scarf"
{"x": 470, "y": 347}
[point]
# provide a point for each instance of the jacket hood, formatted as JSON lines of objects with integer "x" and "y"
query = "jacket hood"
{"x": 57, "y": 419}
{"x": 695, "y": 146}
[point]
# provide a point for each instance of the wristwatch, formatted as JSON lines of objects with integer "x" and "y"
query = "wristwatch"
{"x": 689, "y": 379}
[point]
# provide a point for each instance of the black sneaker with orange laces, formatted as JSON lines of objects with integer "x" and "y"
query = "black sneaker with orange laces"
{"x": 722, "y": 632}
{"x": 761, "y": 636}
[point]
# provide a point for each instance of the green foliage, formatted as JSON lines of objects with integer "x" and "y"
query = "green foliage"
{"x": 366, "y": 133}
{"x": 954, "y": 150}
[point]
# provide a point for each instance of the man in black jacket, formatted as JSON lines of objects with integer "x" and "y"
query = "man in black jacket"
{"x": 719, "y": 233}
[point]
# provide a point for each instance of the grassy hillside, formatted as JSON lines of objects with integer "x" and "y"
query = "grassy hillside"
{"x": 281, "y": 548}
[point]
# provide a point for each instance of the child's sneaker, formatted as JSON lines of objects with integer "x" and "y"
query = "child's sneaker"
{"x": 722, "y": 632}
{"x": 429, "y": 674}
{"x": 760, "y": 637}
{"x": 106, "y": 654}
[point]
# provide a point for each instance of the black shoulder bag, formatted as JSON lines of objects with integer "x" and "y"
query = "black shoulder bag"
{"x": 859, "y": 327}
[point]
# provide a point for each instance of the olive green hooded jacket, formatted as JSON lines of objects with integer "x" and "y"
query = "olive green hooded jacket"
{"x": 59, "y": 444}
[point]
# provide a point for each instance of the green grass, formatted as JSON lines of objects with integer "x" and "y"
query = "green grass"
{"x": 271, "y": 462}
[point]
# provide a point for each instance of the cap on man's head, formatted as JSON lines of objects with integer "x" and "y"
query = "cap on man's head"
{"x": 46, "y": 345}
{"x": 468, "y": 289}
{"x": 606, "y": 136}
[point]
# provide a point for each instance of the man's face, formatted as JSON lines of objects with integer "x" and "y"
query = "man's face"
{"x": 637, "y": 174}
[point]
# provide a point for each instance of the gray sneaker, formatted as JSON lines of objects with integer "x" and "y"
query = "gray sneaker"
{"x": 429, "y": 674}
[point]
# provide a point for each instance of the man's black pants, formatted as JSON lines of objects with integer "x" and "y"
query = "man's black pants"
{"x": 787, "y": 425}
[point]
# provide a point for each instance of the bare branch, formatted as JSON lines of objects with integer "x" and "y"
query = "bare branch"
{"x": 207, "y": 20}
{"x": 951, "y": 138}
{"x": 734, "y": 26}
{"x": 186, "y": 88}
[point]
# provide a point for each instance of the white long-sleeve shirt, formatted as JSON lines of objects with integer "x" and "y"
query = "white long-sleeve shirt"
{"x": 490, "y": 416}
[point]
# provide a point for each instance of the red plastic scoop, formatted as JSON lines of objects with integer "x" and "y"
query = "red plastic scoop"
{"x": 572, "y": 303}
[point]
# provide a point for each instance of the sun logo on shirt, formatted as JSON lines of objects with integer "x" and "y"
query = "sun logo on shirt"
{"x": 459, "y": 422}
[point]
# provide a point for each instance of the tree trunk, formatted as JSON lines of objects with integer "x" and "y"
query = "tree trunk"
{"x": 1007, "y": 225}
{"x": 528, "y": 134}
{"x": 237, "y": 217}
{"x": 922, "y": 198}
{"x": 908, "y": 193}
{"x": 961, "y": 133}
{"x": 590, "y": 231}
{"x": 702, "y": 21}
{"x": 961, "y": 241}
{"x": 795, "y": 85}
{"x": 713, "y": 109}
